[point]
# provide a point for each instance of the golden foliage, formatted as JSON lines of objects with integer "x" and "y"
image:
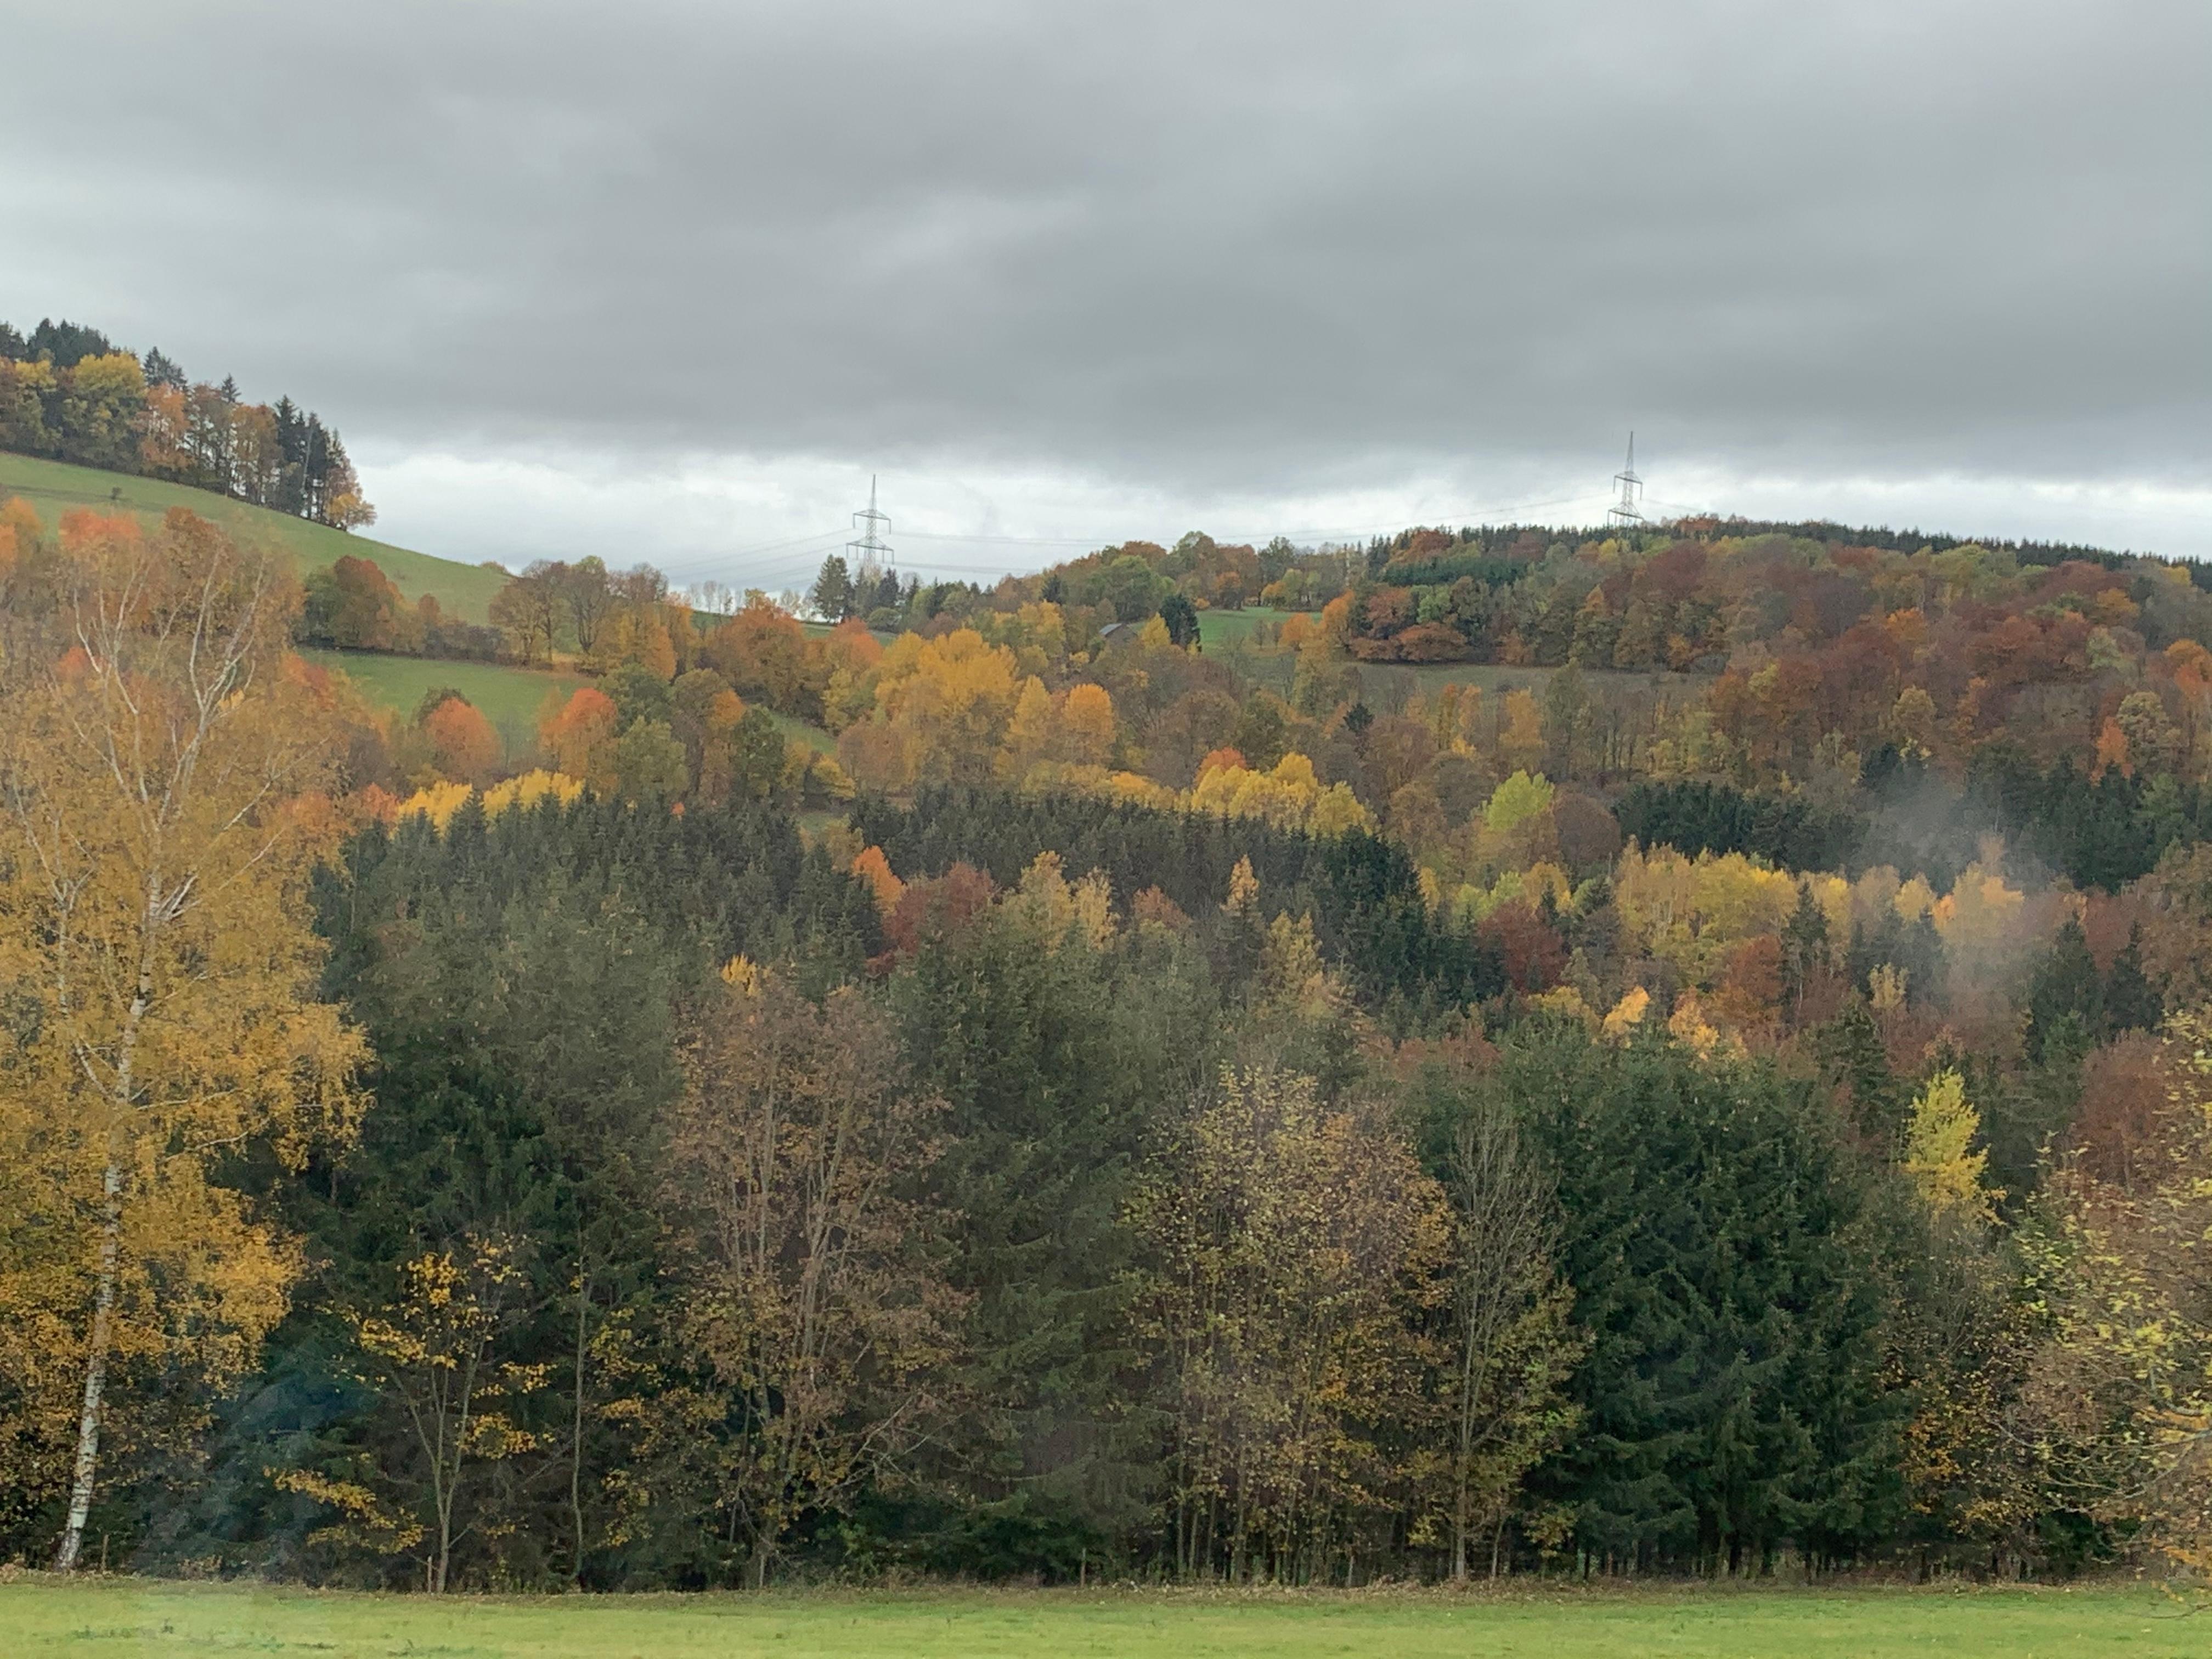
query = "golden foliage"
{"x": 869, "y": 865}
{"x": 1291, "y": 797}
{"x": 1243, "y": 887}
{"x": 435, "y": 1348}
{"x": 526, "y": 789}
{"x": 1057, "y": 910}
{"x": 1691, "y": 912}
{"x": 1626, "y": 1014}
{"x": 951, "y": 698}
{"x": 437, "y": 802}
{"x": 2122, "y": 1389}
{"x": 1938, "y": 1158}
{"x": 161, "y": 811}
{"x": 1296, "y": 1244}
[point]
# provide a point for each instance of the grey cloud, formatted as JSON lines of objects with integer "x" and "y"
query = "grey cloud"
{"x": 1188, "y": 246}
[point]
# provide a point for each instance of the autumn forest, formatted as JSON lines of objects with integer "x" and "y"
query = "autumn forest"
{"x": 1496, "y": 1052}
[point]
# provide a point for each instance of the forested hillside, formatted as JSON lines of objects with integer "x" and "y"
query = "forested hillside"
{"x": 1298, "y": 1109}
{"x": 69, "y": 393}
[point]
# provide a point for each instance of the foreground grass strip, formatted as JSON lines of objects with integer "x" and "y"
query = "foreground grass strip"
{"x": 110, "y": 1618}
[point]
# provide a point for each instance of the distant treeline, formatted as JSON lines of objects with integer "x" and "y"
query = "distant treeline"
{"x": 67, "y": 393}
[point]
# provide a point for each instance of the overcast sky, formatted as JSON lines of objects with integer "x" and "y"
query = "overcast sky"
{"x": 670, "y": 280}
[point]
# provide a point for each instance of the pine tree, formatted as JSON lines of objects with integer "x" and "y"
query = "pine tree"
{"x": 2066, "y": 999}
{"x": 1804, "y": 940}
{"x": 1732, "y": 1393}
{"x": 831, "y": 596}
{"x": 1852, "y": 1055}
{"x": 2131, "y": 1001}
{"x": 1054, "y": 1056}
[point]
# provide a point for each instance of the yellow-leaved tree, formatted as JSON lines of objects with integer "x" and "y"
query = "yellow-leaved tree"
{"x": 2119, "y": 1402}
{"x": 161, "y": 769}
{"x": 1938, "y": 1149}
{"x": 1298, "y": 1253}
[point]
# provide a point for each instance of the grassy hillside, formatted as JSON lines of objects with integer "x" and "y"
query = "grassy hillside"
{"x": 1219, "y": 626}
{"x": 54, "y": 487}
{"x": 511, "y": 698}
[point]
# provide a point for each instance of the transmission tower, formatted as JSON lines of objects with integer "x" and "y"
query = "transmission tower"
{"x": 1626, "y": 514}
{"x": 869, "y": 554}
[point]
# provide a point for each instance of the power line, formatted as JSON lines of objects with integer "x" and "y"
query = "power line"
{"x": 869, "y": 554}
{"x": 1625, "y": 513}
{"x": 739, "y": 554}
{"x": 875, "y": 526}
{"x": 1463, "y": 515}
{"x": 1022, "y": 541}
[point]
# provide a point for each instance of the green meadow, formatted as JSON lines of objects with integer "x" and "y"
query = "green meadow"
{"x": 1221, "y": 627}
{"x": 121, "y": 1618}
{"x": 511, "y": 698}
{"x": 54, "y": 487}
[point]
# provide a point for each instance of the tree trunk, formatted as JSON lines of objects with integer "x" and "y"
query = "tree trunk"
{"x": 576, "y": 1457}
{"x": 95, "y": 1373}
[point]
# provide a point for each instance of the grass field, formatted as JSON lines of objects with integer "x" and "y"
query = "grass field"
{"x": 511, "y": 698}
{"x": 54, "y": 487}
{"x": 112, "y": 1619}
{"x": 812, "y": 736}
{"x": 1216, "y": 626}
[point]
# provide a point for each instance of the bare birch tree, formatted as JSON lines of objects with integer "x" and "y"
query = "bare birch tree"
{"x": 1514, "y": 1350}
{"x": 816, "y": 1303}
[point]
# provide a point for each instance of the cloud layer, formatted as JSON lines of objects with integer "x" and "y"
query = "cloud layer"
{"x": 1060, "y": 269}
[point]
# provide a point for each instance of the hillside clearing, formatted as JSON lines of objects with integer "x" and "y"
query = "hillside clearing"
{"x": 92, "y": 1619}
{"x": 511, "y": 698}
{"x": 812, "y": 736}
{"x": 1219, "y": 626}
{"x": 54, "y": 487}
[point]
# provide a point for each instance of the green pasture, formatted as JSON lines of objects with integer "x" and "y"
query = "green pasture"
{"x": 54, "y": 487}
{"x": 511, "y": 698}
{"x": 43, "y": 1618}
{"x": 1220, "y": 627}
{"x": 812, "y": 736}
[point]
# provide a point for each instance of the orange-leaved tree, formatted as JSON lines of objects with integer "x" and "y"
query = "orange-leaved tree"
{"x": 160, "y": 770}
{"x": 465, "y": 745}
{"x": 580, "y": 736}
